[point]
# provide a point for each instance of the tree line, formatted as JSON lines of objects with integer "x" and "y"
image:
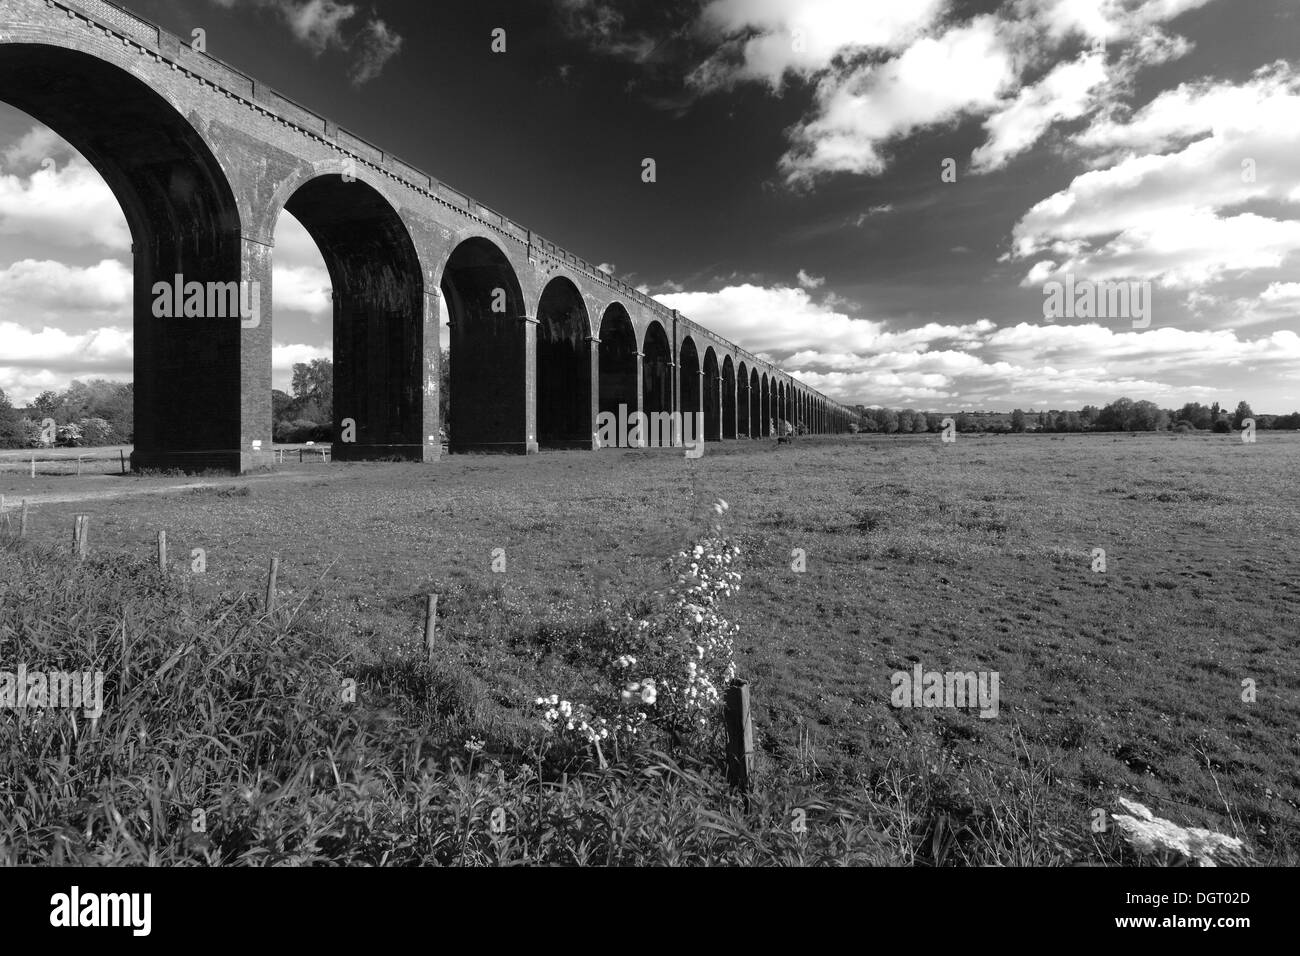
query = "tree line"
{"x": 1121, "y": 415}
{"x": 100, "y": 412}
{"x": 97, "y": 412}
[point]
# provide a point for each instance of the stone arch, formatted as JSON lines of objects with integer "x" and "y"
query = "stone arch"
{"x": 742, "y": 401}
{"x": 689, "y": 374}
{"x": 490, "y": 353}
{"x": 380, "y": 369}
{"x": 184, "y": 219}
{"x": 656, "y": 376}
{"x": 730, "y": 413}
{"x": 564, "y": 405}
{"x": 765, "y": 410}
{"x": 619, "y": 363}
{"x": 712, "y": 384}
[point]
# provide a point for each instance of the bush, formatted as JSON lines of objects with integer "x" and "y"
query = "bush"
{"x": 1221, "y": 427}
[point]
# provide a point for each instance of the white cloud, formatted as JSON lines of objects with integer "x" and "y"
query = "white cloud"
{"x": 37, "y": 144}
{"x": 763, "y": 39}
{"x": 984, "y": 363}
{"x": 70, "y": 205}
{"x": 33, "y": 361}
{"x": 967, "y": 69}
{"x": 809, "y": 281}
{"x": 302, "y": 288}
{"x": 1169, "y": 208}
{"x": 1063, "y": 94}
{"x": 41, "y": 291}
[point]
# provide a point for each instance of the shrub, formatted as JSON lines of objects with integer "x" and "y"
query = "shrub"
{"x": 668, "y": 667}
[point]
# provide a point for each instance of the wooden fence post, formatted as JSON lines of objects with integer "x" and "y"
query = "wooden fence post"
{"x": 78, "y": 466}
{"x": 162, "y": 550}
{"x": 740, "y": 735}
{"x": 76, "y": 533}
{"x": 430, "y": 624}
{"x": 22, "y": 521}
{"x": 270, "y": 585}
{"x": 33, "y": 464}
{"x": 84, "y": 536}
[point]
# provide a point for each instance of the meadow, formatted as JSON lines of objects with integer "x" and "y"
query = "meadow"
{"x": 971, "y": 556}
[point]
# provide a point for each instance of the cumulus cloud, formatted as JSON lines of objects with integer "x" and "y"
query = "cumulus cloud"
{"x": 1066, "y": 93}
{"x": 763, "y": 40}
{"x": 36, "y": 360}
{"x": 934, "y": 81}
{"x": 41, "y": 291}
{"x": 809, "y": 281}
{"x": 982, "y": 362}
{"x": 1167, "y": 201}
{"x": 70, "y": 205}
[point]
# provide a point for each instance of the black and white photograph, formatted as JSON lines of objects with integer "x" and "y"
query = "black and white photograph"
{"x": 650, "y": 434}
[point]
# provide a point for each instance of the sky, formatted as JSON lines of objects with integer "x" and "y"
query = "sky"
{"x": 877, "y": 196}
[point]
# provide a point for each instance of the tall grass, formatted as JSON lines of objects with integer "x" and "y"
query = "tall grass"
{"x": 234, "y": 737}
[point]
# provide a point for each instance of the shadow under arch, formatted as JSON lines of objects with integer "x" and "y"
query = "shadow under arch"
{"x": 619, "y": 362}
{"x": 656, "y": 371}
{"x": 712, "y": 396}
{"x": 564, "y": 407}
{"x": 729, "y": 416}
{"x": 381, "y": 370}
{"x": 489, "y": 408}
{"x": 194, "y": 406}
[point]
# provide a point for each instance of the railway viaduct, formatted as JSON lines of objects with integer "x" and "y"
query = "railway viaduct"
{"x": 203, "y": 159}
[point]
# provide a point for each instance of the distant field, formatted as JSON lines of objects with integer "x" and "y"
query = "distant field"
{"x": 970, "y": 556}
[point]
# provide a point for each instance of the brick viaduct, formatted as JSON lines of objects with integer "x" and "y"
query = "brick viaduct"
{"x": 202, "y": 159}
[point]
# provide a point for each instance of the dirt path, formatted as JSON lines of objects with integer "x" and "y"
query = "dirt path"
{"x": 104, "y": 494}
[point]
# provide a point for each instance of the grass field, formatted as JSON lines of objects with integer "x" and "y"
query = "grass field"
{"x": 971, "y": 556}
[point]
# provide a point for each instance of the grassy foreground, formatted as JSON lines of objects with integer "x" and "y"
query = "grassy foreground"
{"x": 972, "y": 556}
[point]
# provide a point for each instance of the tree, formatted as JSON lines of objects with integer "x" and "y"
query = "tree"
{"x": 46, "y": 404}
{"x": 314, "y": 381}
{"x": 11, "y": 428}
{"x": 1243, "y": 412}
{"x": 1017, "y": 420}
{"x": 280, "y": 404}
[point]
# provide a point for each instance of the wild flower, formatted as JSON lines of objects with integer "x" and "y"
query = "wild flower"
{"x": 684, "y": 650}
